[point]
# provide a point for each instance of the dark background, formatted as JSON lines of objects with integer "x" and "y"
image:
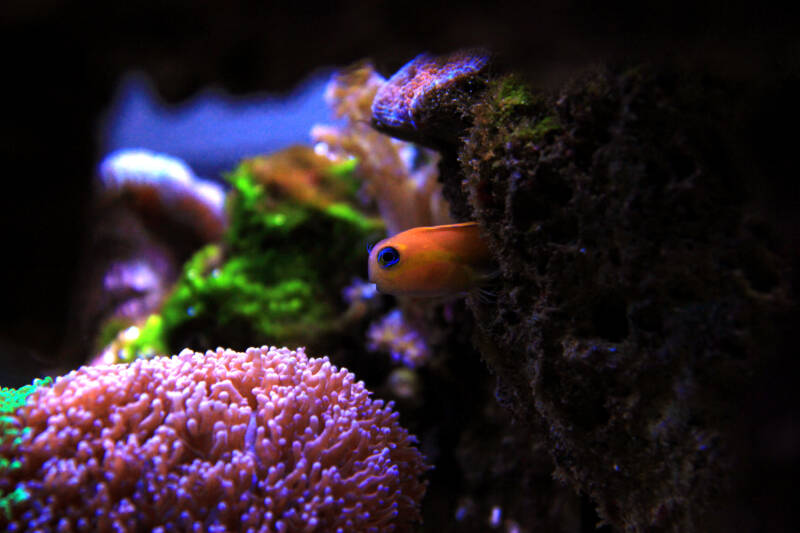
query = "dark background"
{"x": 62, "y": 59}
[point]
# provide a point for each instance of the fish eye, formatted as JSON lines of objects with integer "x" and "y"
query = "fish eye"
{"x": 388, "y": 256}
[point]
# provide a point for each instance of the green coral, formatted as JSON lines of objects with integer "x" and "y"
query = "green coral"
{"x": 277, "y": 277}
{"x": 11, "y": 435}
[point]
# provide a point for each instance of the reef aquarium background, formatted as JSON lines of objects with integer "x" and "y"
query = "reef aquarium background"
{"x": 189, "y": 339}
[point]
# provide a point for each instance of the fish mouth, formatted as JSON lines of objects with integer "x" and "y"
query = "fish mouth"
{"x": 374, "y": 282}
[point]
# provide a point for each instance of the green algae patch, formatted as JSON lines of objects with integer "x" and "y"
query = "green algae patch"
{"x": 512, "y": 114}
{"x": 343, "y": 172}
{"x": 536, "y": 131}
{"x": 296, "y": 237}
{"x": 508, "y": 98}
{"x": 511, "y": 92}
{"x": 148, "y": 341}
{"x": 350, "y": 215}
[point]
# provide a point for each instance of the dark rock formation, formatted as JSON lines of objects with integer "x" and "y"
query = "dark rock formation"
{"x": 645, "y": 288}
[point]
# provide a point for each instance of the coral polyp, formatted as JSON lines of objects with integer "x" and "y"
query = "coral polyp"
{"x": 393, "y": 334}
{"x": 266, "y": 440}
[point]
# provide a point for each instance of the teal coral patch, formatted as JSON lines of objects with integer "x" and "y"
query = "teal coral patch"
{"x": 11, "y": 436}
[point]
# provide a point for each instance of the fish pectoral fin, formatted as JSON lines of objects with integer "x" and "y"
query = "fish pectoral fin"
{"x": 487, "y": 286}
{"x": 492, "y": 275}
{"x": 485, "y": 295}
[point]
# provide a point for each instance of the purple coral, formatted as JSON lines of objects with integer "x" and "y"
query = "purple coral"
{"x": 394, "y": 335}
{"x": 400, "y": 104}
{"x": 267, "y": 440}
{"x": 359, "y": 290}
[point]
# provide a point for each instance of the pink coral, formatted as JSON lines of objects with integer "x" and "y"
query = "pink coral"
{"x": 267, "y": 440}
{"x": 164, "y": 189}
{"x": 399, "y": 176}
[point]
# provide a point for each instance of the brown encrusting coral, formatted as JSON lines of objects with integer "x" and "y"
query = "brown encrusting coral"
{"x": 267, "y": 440}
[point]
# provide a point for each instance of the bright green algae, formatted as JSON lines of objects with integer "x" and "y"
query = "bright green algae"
{"x": 277, "y": 276}
{"x": 11, "y": 436}
{"x": 523, "y": 115}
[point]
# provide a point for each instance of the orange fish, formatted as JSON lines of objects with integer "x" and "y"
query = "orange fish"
{"x": 431, "y": 261}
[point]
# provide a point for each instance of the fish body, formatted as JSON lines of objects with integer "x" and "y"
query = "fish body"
{"x": 430, "y": 261}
